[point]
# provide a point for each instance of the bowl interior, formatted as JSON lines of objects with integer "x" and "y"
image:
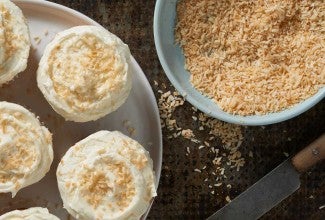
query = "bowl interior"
{"x": 172, "y": 61}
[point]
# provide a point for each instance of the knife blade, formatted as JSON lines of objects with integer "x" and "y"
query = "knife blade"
{"x": 274, "y": 187}
{"x": 266, "y": 193}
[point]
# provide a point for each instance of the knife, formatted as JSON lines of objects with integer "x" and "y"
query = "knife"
{"x": 274, "y": 187}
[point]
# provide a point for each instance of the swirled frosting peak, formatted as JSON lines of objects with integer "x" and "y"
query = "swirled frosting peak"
{"x": 84, "y": 73}
{"x": 14, "y": 41}
{"x": 36, "y": 213}
{"x": 106, "y": 176}
{"x": 26, "y": 150}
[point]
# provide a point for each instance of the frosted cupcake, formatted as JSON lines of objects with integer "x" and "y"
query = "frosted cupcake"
{"x": 26, "y": 150}
{"x": 106, "y": 176}
{"x": 35, "y": 213}
{"x": 14, "y": 41}
{"x": 84, "y": 73}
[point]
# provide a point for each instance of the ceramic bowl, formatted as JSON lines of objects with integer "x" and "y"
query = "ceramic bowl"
{"x": 172, "y": 61}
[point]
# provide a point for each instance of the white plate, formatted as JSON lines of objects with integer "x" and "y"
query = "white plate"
{"x": 140, "y": 109}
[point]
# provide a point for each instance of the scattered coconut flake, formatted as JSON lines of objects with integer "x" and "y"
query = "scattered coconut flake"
{"x": 194, "y": 140}
{"x": 167, "y": 103}
{"x": 207, "y": 143}
{"x": 37, "y": 40}
{"x": 188, "y": 133}
{"x": 130, "y": 129}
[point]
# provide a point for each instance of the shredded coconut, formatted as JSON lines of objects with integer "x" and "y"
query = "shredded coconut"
{"x": 253, "y": 57}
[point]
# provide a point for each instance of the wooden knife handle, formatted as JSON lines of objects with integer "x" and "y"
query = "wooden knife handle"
{"x": 310, "y": 155}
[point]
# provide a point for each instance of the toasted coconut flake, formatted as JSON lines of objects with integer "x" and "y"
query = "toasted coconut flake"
{"x": 253, "y": 57}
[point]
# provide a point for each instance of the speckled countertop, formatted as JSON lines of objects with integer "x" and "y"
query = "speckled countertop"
{"x": 182, "y": 193}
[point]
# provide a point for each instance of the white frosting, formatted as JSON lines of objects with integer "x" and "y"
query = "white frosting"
{"x": 14, "y": 41}
{"x": 84, "y": 73}
{"x": 106, "y": 176}
{"x": 26, "y": 150}
{"x": 36, "y": 213}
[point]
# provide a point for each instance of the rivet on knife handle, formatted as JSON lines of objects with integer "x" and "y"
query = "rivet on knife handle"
{"x": 310, "y": 155}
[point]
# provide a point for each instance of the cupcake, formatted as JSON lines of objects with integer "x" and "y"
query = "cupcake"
{"x": 26, "y": 150}
{"x": 84, "y": 73}
{"x": 35, "y": 213}
{"x": 106, "y": 176}
{"x": 14, "y": 41}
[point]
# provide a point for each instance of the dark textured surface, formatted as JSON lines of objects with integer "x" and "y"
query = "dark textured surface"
{"x": 182, "y": 193}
